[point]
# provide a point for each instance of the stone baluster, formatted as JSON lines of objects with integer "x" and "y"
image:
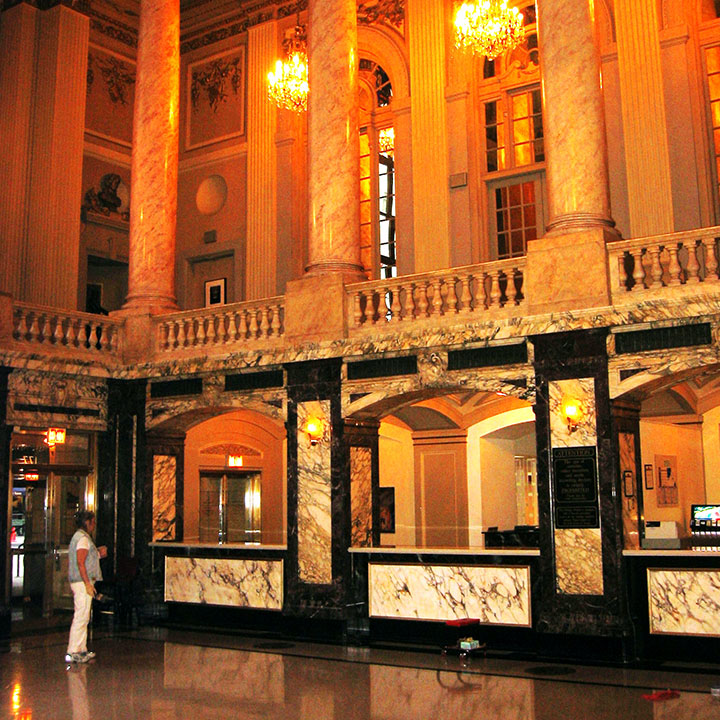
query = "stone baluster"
{"x": 82, "y": 335}
{"x": 422, "y": 304}
{"x": 656, "y": 271}
{"x": 243, "y": 330}
{"x": 710, "y": 258}
{"x": 253, "y": 323}
{"x": 200, "y": 335}
{"x": 510, "y": 289}
{"x": 191, "y": 336}
{"x": 264, "y": 324}
{"x": 495, "y": 293}
{"x": 70, "y": 336}
{"x": 451, "y": 297}
{"x": 638, "y": 270}
{"x": 674, "y": 267}
{"x": 211, "y": 330}
{"x": 57, "y": 335}
{"x": 181, "y": 334}
{"x": 437, "y": 301}
{"x": 358, "y": 313}
{"x": 275, "y": 326}
{"x": 692, "y": 265}
{"x": 409, "y": 313}
{"x": 465, "y": 296}
{"x": 622, "y": 274}
{"x": 396, "y": 306}
{"x": 93, "y": 339}
{"x": 232, "y": 328}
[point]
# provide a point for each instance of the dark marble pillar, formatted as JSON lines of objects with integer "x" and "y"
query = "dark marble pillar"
{"x": 320, "y": 591}
{"x": 121, "y": 497}
{"x": 5, "y": 475}
{"x": 596, "y": 622}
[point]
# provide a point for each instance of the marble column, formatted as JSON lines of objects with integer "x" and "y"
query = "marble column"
{"x": 333, "y": 143}
{"x": 426, "y": 39}
{"x": 17, "y": 66}
{"x": 52, "y": 249}
{"x": 643, "y": 114}
{"x": 575, "y": 142}
{"x": 153, "y": 211}
{"x": 261, "y": 258}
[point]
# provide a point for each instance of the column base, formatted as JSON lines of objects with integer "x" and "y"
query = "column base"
{"x": 568, "y": 270}
{"x": 315, "y": 308}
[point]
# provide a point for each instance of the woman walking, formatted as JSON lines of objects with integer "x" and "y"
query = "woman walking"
{"x": 84, "y": 572}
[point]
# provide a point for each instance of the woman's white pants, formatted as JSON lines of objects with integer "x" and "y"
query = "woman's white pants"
{"x": 81, "y": 618}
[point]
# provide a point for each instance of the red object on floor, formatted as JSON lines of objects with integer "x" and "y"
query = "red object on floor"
{"x": 662, "y": 695}
{"x": 461, "y": 622}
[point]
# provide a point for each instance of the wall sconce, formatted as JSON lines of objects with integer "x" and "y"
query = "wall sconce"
{"x": 234, "y": 461}
{"x": 573, "y": 412}
{"x": 55, "y": 436}
{"x": 314, "y": 428}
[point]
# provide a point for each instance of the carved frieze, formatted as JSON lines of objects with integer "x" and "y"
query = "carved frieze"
{"x": 37, "y": 399}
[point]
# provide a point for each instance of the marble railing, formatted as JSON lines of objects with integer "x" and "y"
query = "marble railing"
{"x": 258, "y": 321}
{"x": 47, "y": 327}
{"x": 464, "y": 291}
{"x": 662, "y": 261}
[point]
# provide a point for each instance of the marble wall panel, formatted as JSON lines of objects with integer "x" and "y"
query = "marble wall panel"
{"x": 233, "y": 582}
{"x": 253, "y": 676}
{"x": 578, "y": 558}
{"x": 578, "y": 552}
{"x": 314, "y": 497}
{"x": 684, "y": 602}
{"x": 361, "y": 496}
{"x": 415, "y": 690}
{"x": 163, "y": 513}
{"x": 583, "y": 390}
{"x": 496, "y": 595}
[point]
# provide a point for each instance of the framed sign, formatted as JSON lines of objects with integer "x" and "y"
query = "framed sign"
{"x": 649, "y": 477}
{"x": 215, "y": 292}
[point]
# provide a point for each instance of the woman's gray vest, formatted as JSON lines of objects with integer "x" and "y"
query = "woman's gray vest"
{"x": 92, "y": 562}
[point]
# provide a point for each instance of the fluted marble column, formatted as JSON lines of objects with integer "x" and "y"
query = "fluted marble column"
{"x": 262, "y": 163}
{"x": 333, "y": 143}
{"x": 17, "y": 55}
{"x": 576, "y": 146}
{"x": 153, "y": 210}
{"x": 426, "y": 37}
{"x": 52, "y": 251}
{"x": 643, "y": 114}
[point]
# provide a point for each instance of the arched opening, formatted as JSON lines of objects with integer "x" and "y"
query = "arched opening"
{"x": 235, "y": 486}
{"x": 457, "y": 470}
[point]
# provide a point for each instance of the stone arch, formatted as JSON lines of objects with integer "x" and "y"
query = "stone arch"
{"x": 376, "y": 45}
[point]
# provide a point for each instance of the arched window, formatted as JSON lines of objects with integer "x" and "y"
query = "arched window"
{"x": 513, "y": 162}
{"x": 377, "y": 172}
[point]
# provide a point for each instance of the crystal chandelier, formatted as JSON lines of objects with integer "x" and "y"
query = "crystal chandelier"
{"x": 488, "y": 27}
{"x": 288, "y": 85}
{"x": 386, "y": 141}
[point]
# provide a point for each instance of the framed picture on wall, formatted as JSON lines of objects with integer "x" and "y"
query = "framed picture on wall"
{"x": 215, "y": 292}
{"x": 649, "y": 477}
{"x": 386, "y": 498}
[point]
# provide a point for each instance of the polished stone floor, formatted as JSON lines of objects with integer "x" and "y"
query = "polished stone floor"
{"x": 160, "y": 674}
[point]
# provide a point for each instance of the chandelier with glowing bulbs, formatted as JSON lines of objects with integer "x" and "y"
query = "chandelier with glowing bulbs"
{"x": 488, "y": 27}
{"x": 288, "y": 85}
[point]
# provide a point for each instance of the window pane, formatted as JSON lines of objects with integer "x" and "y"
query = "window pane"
{"x": 713, "y": 59}
{"x": 516, "y": 218}
{"x": 514, "y": 194}
{"x": 523, "y": 155}
{"x": 528, "y": 189}
{"x": 714, "y": 86}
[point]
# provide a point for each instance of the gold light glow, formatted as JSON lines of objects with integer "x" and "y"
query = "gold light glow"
{"x": 488, "y": 27}
{"x": 288, "y": 86}
{"x": 234, "y": 460}
{"x": 573, "y": 412}
{"x": 315, "y": 429}
{"x": 55, "y": 436}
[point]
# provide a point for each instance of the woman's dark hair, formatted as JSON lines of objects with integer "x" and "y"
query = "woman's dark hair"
{"x": 82, "y": 517}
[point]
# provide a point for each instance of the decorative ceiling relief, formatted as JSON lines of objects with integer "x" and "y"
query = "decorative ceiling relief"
{"x": 390, "y": 12}
{"x": 117, "y": 76}
{"x": 229, "y": 449}
{"x": 216, "y": 80}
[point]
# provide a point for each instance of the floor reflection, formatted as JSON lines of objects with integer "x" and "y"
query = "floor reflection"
{"x": 155, "y": 679}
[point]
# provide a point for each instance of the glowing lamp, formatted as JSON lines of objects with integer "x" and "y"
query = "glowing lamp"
{"x": 234, "y": 461}
{"x": 55, "y": 436}
{"x": 573, "y": 412}
{"x": 314, "y": 428}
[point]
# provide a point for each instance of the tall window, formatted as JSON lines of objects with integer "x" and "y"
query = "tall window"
{"x": 513, "y": 145}
{"x": 230, "y": 507}
{"x": 377, "y": 173}
{"x": 712, "y": 63}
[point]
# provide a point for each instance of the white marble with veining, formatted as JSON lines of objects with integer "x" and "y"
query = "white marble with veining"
{"x": 493, "y": 594}
{"x": 684, "y": 602}
{"x": 314, "y": 497}
{"x": 578, "y": 560}
{"x": 585, "y": 433}
{"x": 232, "y": 582}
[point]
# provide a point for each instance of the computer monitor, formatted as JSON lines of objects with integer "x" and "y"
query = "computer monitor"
{"x": 706, "y": 512}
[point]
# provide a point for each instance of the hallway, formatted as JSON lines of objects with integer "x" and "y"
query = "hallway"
{"x": 158, "y": 674}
